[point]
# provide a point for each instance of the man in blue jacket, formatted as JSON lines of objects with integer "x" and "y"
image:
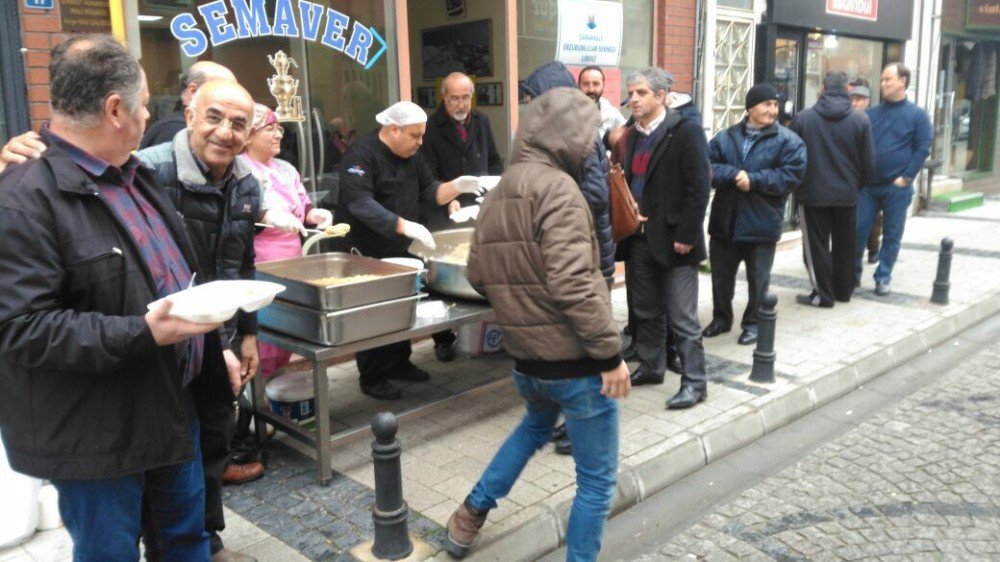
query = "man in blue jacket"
{"x": 755, "y": 165}
{"x": 902, "y": 135}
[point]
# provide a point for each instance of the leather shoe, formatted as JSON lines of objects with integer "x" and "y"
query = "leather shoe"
{"x": 226, "y": 555}
{"x": 242, "y": 473}
{"x": 561, "y": 439}
{"x": 445, "y": 352}
{"x": 640, "y": 377}
{"x": 630, "y": 353}
{"x": 383, "y": 390}
{"x": 686, "y": 397}
{"x": 409, "y": 372}
{"x": 715, "y": 328}
{"x": 674, "y": 362}
{"x": 748, "y": 336}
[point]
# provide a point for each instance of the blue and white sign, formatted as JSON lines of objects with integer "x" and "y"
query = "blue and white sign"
{"x": 590, "y": 32}
{"x": 244, "y": 19}
{"x": 40, "y": 4}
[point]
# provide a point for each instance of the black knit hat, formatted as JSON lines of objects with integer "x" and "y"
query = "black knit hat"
{"x": 761, "y": 92}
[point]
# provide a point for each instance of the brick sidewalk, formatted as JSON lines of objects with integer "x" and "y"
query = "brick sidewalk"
{"x": 821, "y": 354}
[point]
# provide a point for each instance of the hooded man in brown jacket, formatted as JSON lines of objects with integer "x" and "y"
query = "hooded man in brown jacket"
{"x": 536, "y": 256}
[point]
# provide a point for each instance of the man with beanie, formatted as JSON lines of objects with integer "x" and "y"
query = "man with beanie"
{"x": 902, "y": 135}
{"x": 536, "y": 255}
{"x": 383, "y": 180}
{"x": 755, "y": 165}
{"x": 841, "y": 157}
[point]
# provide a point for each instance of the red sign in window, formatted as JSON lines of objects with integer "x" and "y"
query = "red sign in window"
{"x": 861, "y": 9}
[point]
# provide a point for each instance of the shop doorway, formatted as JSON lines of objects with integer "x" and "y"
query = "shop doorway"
{"x": 461, "y": 36}
{"x": 340, "y": 93}
{"x": 965, "y": 137}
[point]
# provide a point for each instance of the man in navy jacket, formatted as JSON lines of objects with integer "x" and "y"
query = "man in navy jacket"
{"x": 755, "y": 165}
{"x": 902, "y": 135}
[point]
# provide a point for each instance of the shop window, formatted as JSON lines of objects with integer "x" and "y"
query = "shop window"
{"x": 537, "y": 34}
{"x": 741, "y": 4}
{"x": 343, "y": 95}
{"x": 858, "y": 58}
{"x": 969, "y": 112}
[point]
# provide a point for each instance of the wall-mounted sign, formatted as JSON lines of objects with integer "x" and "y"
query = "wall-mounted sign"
{"x": 40, "y": 4}
{"x": 289, "y": 18}
{"x": 861, "y": 9}
{"x": 85, "y": 16}
{"x": 590, "y": 32}
{"x": 982, "y": 14}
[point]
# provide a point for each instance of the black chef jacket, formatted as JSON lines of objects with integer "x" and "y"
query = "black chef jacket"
{"x": 377, "y": 187}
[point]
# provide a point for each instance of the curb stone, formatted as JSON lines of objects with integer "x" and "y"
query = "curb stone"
{"x": 708, "y": 441}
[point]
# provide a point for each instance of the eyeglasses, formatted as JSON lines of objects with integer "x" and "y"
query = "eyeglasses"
{"x": 237, "y": 126}
{"x": 274, "y": 129}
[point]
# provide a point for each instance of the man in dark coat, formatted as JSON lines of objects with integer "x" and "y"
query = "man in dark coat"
{"x": 755, "y": 165}
{"x": 458, "y": 142}
{"x": 99, "y": 388}
{"x": 841, "y": 157}
{"x": 666, "y": 166}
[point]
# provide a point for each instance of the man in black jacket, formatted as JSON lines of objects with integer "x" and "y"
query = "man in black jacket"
{"x": 666, "y": 166}
{"x": 458, "y": 142}
{"x": 841, "y": 158}
{"x": 99, "y": 389}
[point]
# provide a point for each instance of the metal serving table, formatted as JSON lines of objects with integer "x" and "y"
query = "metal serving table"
{"x": 459, "y": 313}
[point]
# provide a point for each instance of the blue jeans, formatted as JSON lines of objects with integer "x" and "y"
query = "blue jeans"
{"x": 104, "y": 517}
{"x": 893, "y": 202}
{"x": 592, "y": 423}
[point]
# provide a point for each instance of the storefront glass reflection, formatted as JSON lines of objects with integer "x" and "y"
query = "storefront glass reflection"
{"x": 340, "y": 102}
{"x": 859, "y": 58}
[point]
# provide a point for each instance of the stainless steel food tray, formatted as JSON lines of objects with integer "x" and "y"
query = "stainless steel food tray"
{"x": 342, "y": 326}
{"x": 445, "y": 277}
{"x": 394, "y": 281}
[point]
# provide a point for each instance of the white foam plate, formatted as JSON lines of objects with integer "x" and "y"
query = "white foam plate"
{"x": 218, "y": 301}
{"x": 465, "y": 214}
{"x": 488, "y": 182}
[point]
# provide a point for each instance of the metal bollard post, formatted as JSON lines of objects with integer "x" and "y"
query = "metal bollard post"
{"x": 942, "y": 284}
{"x": 392, "y": 540}
{"x": 764, "y": 355}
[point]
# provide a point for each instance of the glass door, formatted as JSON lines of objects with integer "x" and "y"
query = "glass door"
{"x": 787, "y": 68}
{"x": 339, "y": 49}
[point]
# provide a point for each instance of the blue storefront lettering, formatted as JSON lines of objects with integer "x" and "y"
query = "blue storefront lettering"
{"x": 251, "y": 20}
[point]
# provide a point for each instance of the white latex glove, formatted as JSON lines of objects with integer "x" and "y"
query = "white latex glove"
{"x": 466, "y": 184}
{"x": 284, "y": 221}
{"x": 418, "y": 232}
{"x": 320, "y": 217}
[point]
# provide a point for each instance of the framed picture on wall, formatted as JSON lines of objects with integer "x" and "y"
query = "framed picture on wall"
{"x": 462, "y": 47}
{"x": 489, "y": 93}
{"x": 427, "y": 97}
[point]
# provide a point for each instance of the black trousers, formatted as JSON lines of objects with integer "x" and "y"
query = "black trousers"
{"x": 828, "y": 246}
{"x": 375, "y": 365}
{"x": 725, "y": 257}
{"x": 662, "y": 297}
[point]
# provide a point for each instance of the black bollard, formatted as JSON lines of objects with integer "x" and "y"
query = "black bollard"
{"x": 942, "y": 284}
{"x": 392, "y": 540}
{"x": 764, "y": 355}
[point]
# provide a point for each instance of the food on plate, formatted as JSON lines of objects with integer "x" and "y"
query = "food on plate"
{"x": 327, "y": 281}
{"x": 458, "y": 255}
{"x": 337, "y": 230}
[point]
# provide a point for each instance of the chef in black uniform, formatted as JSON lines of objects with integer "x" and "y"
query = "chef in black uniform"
{"x": 383, "y": 180}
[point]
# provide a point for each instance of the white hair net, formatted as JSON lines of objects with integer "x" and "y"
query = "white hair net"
{"x": 402, "y": 113}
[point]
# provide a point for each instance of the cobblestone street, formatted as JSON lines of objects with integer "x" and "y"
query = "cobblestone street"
{"x": 918, "y": 481}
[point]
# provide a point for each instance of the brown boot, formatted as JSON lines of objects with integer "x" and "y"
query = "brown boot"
{"x": 463, "y": 528}
{"x": 242, "y": 473}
